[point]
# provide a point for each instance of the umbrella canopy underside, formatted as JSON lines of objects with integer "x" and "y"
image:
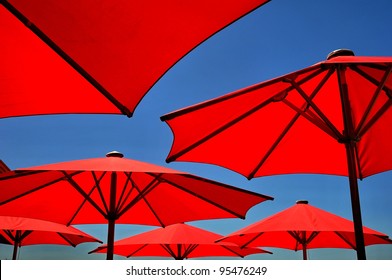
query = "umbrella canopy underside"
{"x": 294, "y": 123}
{"x": 98, "y": 56}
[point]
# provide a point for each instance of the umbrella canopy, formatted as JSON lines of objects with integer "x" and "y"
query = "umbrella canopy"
{"x": 114, "y": 189}
{"x": 24, "y": 231}
{"x": 303, "y": 227}
{"x": 329, "y": 118}
{"x": 98, "y": 56}
{"x": 179, "y": 241}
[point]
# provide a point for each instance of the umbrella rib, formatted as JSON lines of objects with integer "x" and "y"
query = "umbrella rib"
{"x": 24, "y": 234}
{"x": 124, "y": 110}
{"x": 21, "y": 173}
{"x": 224, "y": 127}
{"x": 66, "y": 239}
{"x": 35, "y": 189}
{"x": 137, "y": 250}
{"x": 189, "y": 250}
{"x": 149, "y": 205}
{"x": 372, "y": 102}
{"x": 274, "y": 98}
{"x": 294, "y": 119}
{"x": 312, "y": 236}
{"x": 18, "y": 237}
{"x": 232, "y": 251}
{"x": 142, "y": 195}
{"x": 203, "y": 198}
{"x": 85, "y": 195}
{"x": 9, "y": 234}
{"x": 316, "y": 108}
{"x": 309, "y": 115}
{"x": 273, "y": 146}
{"x": 376, "y": 116}
{"x": 252, "y": 239}
{"x": 122, "y": 199}
{"x": 97, "y": 184}
{"x": 345, "y": 239}
{"x": 297, "y": 239}
{"x": 313, "y": 118}
{"x": 370, "y": 78}
{"x": 230, "y": 96}
{"x": 170, "y": 251}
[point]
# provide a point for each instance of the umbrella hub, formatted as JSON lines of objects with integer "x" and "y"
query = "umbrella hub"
{"x": 115, "y": 154}
{"x": 301, "y": 202}
{"x": 340, "y": 52}
{"x": 346, "y": 140}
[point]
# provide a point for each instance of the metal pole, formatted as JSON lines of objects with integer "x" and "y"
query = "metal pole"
{"x": 111, "y": 216}
{"x": 304, "y": 252}
{"x": 349, "y": 143}
{"x": 16, "y": 244}
{"x": 355, "y": 204}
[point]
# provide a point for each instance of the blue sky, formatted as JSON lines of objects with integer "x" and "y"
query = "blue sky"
{"x": 279, "y": 37}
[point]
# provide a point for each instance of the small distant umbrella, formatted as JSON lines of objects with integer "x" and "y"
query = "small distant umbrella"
{"x": 114, "y": 189}
{"x": 179, "y": 241}
{"x": 328, "y": 118}
{"x": 303, "y": 227}
{"x": 20, "y": 232}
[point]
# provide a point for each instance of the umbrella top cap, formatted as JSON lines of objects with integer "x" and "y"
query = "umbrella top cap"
{"x": 301, "y": 202}
{"x": 115, "y": 154}
{"x": 340, "y": 52}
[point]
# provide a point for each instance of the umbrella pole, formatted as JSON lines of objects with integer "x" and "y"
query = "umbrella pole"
{"x": 349, "y": 143}
{"x": 111, "y": 217}
{"x": 15, "y": 253}
{"x": 16, "y": 244}
{"x": 355, "y": 204}
{"x": 110, "y": 241}
{"x": 304, "y": 252}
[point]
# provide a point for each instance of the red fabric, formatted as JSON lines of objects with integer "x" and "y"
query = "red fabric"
{"x": 179, "y": 240}
{"x": 274, "y": 231}
{"x": 168, "y": 196}
{"x": 226, "y": 132}
{"x": 43, "y": 232}
{"x": 125, "y": 46}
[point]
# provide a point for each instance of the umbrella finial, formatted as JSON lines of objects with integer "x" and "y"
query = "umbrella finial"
{"x": 114, "y": 154}
{"x": 302, "y": 202}
{"x": 340, "y": 52}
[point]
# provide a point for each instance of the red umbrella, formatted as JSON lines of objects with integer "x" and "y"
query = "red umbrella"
{"x": 303, "y": 227}
{"x": 114, "y": 189}
{"x": 59, "y": 56}
{"x": 179, "y": 241}
{"x": 329, "y": 118}
{"x": 24, "y": 231}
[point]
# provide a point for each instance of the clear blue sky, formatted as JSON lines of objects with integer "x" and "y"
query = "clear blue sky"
{"x": 280, "y": 37}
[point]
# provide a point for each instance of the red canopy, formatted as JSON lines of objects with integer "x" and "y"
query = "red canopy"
{"x": 329, "y": 118}
{"x": 24, "y": 231}
{"x": 302, "y": 227}
{"x": 179, "y": 241}
{"x": 294, "y": 123}
{"x": 119, "y": 190}
{"x": 119, "y": 50}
